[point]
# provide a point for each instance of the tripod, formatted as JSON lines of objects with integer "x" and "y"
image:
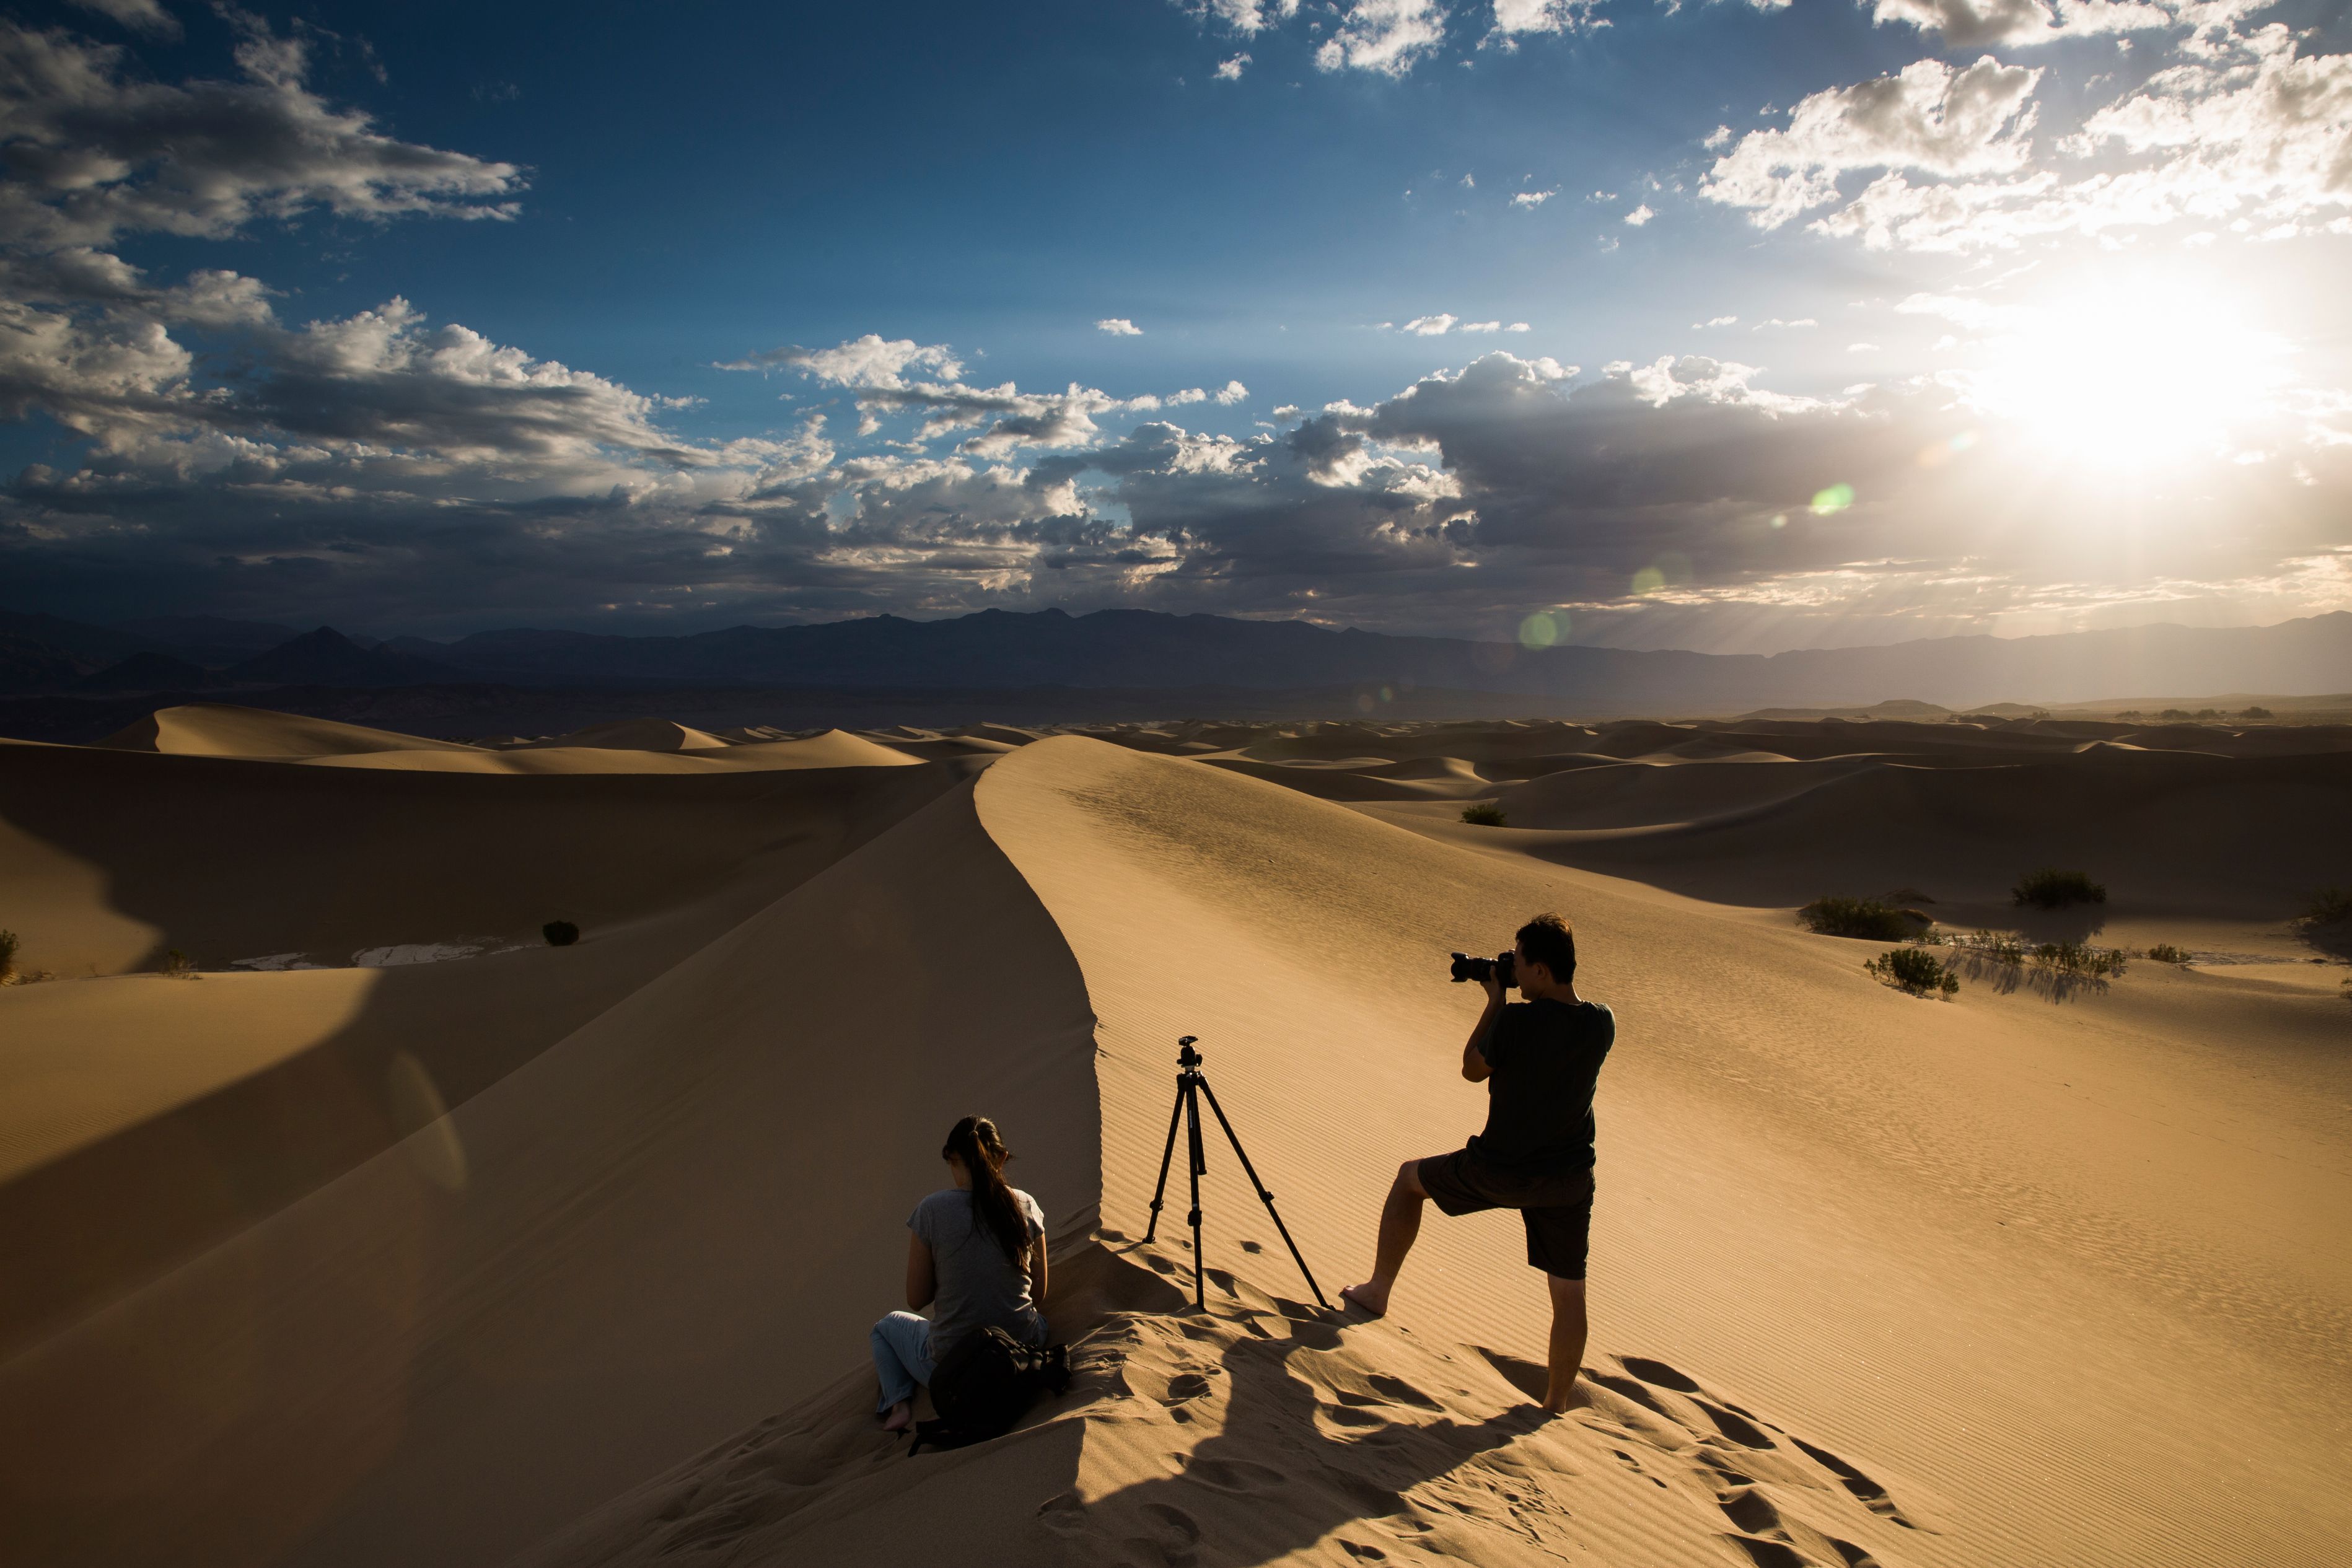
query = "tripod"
{"x": 1191, "y": 1085}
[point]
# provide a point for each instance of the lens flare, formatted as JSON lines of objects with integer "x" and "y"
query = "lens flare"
{"x": 1649, "y": 579}
{"x": 1543, "y": 628}
{"x": 1834, "y": 499}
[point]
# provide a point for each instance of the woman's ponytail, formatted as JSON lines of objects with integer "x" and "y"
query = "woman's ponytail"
{"x": 976, "y": 1144}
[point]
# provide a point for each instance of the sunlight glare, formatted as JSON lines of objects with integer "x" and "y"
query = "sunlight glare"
{"x": 2132, "y": 375}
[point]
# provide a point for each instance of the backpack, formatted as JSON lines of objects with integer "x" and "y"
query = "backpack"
{"x": 986, "y": 1384}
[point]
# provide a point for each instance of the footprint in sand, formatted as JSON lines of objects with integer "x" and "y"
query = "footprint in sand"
{"x": 1767, "y": 1537}
{"x": 1235, "y": 1475}
{"x": 1872, "y": 1496}
{"x": 1175, "y": 1537}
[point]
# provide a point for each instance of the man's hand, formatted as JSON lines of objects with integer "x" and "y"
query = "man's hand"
{"x": 1493, "y": 980}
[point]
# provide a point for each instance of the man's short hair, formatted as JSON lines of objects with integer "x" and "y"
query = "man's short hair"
{"x": 1548, "y": 940}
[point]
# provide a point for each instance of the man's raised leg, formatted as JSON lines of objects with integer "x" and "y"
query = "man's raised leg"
{"x": 1400, "y": 1223}
{"x": 1568, "y": 1331}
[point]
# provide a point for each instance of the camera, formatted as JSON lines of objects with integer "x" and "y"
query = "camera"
{"x": 1466, "y": 967}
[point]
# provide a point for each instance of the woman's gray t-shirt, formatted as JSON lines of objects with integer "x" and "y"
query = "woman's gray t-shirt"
{"x": 978, "y": 1287}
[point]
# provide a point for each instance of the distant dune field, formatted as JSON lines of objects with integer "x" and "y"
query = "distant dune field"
{"x": 387, "y": 1233}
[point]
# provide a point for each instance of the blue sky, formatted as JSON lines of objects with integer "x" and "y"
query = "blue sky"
{"x": 1716, "y": 324}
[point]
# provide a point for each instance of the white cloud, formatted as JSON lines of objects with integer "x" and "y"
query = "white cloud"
{"x": 1243, "y": 16}
{"x": 1118, "y": 327}
{"x": 1390, "y": 36}
{"x": 1233, "y": 393}
{"x": 1862, "y": 348}
{"x": 94, "y": 153}
{"x": 1231, "y": 69}
{"x": 1534, "y": 198}
{"x": 1431, "y": 325}
{"x": 140, "y": 16}
{"x": 1971, "y": 24}
{"x": 1640, "y": 215}
{"x": 1776, "y": 321}
{"x": 1515, "y": 16}
{"x": 1519, "y": 327}
{"x": 2248, "y": 128}
{"x": 1482, "y": 325}
{"x": 1715, "y": 321}
{"x": 1928, "y": 117}
{"x": 872, "y": 361}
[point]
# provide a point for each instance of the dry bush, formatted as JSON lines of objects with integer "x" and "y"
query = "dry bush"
{"x": 1485, "y": 814}
{"x": 8, "y": 957}
{"x": 2328, "y": 906}
{"x": 2166, "y": 953}
{"x": 559, "y": 933}
{"x": 2081, "y": 959}
{"x": 178, "y": 966}
{"x": 1863, "y": 917}
{"x": 2050, "y": 888}
{"x": 1916, "y": 970}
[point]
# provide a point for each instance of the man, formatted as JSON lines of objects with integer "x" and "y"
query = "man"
{"x": 1540, "y": 1059}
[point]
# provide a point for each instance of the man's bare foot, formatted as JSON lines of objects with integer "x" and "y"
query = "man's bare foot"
{"x": 1577, "y": 1398}
{"x": 1372, "y": 1296}
{"x": 901, "y": 1417}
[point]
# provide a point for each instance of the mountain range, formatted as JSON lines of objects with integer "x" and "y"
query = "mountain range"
{"x": 1144, "y": 650}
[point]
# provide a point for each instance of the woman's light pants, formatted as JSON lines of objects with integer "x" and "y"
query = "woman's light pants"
{"x": 902, "y": 1357}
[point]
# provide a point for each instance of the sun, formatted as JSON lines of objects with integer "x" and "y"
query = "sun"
{"x": 2135, "y": 375}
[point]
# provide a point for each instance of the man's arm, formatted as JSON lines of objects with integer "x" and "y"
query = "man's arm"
{"x": 1474, "y": 1054}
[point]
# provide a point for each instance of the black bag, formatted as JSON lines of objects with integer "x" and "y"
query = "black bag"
{"x": 986, "y": 1384}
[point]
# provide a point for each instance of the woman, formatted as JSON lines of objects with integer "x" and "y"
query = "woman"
{"x": 977, "y": 1259}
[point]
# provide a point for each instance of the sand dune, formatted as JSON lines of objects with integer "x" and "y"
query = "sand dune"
{"x": 569, "y": 1253}
{"x": 636, "y": 735}
{"x": 218, "y": 729}
{"x": 834, "y": 749}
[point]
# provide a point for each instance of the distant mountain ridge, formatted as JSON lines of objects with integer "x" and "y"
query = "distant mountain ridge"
{"x": 1137, "y": 649}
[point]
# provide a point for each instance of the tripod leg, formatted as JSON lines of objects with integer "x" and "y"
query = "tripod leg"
{"x": 1161, "y": 1192}
{"x": 1199, "y": 1163}
{"x": 1263, "y": 1196}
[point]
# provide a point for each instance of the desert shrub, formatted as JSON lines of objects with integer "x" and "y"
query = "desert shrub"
{"x": 1999, "y": 947}
{"x": 1485, "y": 814}
{"x": 2209, "y": 712}
{"x": 2166, "y": 953}
{"x": 2079, "y": 958}
{"x": 2255, "y": 713}
{"x": 7, "y": 956}
{"x": 1916, "y": 970}
{"x": 2175, "y": 713}
{"x": 2050, "y": 888}
{"x": 2130, "y": 713}
{"x": 2328, "y": 906}
{"x": 1867, "y": 918}
{"x": 177, "y": 965}
{"x": 559, "y": 933}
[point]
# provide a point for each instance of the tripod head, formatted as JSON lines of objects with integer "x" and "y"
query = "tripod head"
{"x": 1185, "y": 1055}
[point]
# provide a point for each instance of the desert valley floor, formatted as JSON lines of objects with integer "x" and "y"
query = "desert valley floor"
{"x": 385, "y": 1233}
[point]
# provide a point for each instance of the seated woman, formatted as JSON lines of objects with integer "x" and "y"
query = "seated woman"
{"x": 977, "y": 1259}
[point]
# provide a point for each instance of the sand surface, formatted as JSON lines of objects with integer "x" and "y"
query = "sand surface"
{"x": 566, "y": 1255}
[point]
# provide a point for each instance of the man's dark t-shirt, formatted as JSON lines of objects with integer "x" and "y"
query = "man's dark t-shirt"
{"x": 1545, "y": 1057}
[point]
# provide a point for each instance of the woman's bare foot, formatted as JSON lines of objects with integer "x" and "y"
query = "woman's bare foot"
{"x": 901, "y": 1417}
{"x": 1372, "y": 1296}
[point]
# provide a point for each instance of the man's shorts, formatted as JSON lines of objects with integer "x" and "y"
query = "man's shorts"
{"x": 1557, "y": 1209}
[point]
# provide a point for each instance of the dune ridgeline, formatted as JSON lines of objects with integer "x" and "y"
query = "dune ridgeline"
{"x": 351, "y": 1220}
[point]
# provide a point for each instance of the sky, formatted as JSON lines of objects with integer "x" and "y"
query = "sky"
{"x": 1730, "y": 325}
